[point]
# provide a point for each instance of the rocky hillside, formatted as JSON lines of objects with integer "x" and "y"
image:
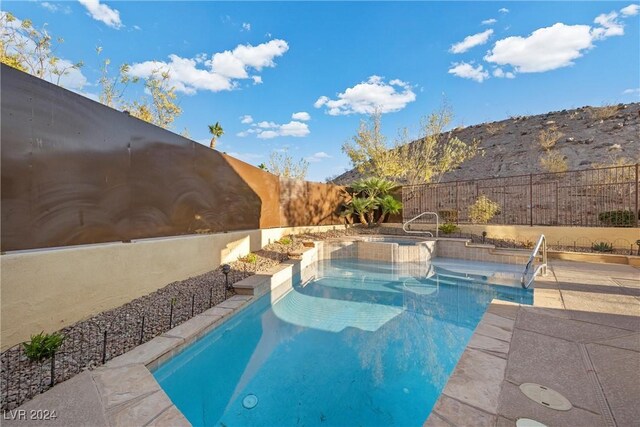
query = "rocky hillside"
{"x": 590, "y": 136}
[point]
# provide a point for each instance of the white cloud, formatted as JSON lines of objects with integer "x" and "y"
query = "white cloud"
{"x": 317, "y": 157}
{"x": 490, "y": 21}
{"x": 266, "y": 125}
{"x": 302, "y": 116}
{"x": 246, "y": 26}
{"x": 630, "y": 10}
{"x": 294, "y": 128}
{"x": 545, "y": 49}
{"x": 54, "y": 7}
{"x": 498, "y": 72}
{"x": 137, "y": 28}
{"x": 471, "y": 41}
{"x": 246, "y": 119}
{"x": 468, "y": 71}
{"x": 635, "y": 91}
{"x": 503, "y": 10}
{"x": 610, "y": 26}
{"x": 369, "y": 97}
{"x": 268, "y": 130}
{"x": 103, "y": 13}
{"x": 224, "y": 68}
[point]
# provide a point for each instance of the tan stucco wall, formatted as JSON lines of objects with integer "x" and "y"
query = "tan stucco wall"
{"x": 48, "y": 289}
{"x": 620, "y": 237}
{"x": 583, "y": 236}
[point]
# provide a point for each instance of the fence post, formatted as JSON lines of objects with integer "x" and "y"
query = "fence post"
{"x": 531, "y": 200}
{"x": 171, "y": 314}
{"x": 457, "y": 205}
{"x": 635, "y": 214}
{"x": 142, "y": 331}
{"x": 104, "y": 347}
{"x": 53, "y": 369}
{"x": 557, "y": 202}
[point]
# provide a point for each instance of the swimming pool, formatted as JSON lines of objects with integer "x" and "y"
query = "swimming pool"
{"x": 364, "y": 343}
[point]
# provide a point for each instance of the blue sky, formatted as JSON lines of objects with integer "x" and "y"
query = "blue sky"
{"x": 263, "y": 62}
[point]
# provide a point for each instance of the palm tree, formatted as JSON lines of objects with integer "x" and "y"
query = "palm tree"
{"x": 361, "y": 206}
{"x": 217, "y": 131}
{"x": 373, "y": 189}
{"x": 389, "y": 205}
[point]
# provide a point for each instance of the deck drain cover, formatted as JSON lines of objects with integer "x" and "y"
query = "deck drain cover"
{"x": 250, "y": 401}
{"x": 546, "y": 396}
{"x": 528, "y": 422}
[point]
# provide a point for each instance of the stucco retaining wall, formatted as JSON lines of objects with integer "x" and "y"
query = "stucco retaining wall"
{"x": 48, "y": 289}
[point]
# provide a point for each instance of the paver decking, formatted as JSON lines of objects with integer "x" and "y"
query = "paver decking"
{"x": 581, "y": 338}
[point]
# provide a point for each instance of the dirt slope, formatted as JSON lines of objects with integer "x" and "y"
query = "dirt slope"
{"x": 590, "y": 136}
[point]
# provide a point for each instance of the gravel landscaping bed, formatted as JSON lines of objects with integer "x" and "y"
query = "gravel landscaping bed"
{"x": 86, "y": 346}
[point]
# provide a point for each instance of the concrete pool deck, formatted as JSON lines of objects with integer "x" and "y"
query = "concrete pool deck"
{"x": 581, "y": 338}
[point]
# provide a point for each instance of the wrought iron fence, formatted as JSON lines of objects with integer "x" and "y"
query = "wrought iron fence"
{"x": 602, "y": 197}
{"x": 95, "y": 341}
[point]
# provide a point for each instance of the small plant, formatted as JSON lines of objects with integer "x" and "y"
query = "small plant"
{"x": 448, "y": 228}
{"x": 42, "y": 346}
{"x": 603, "y": 113}
{"x": 483, "y": 210}
{"x": 249, "y": 258}
{"x": 547, "y": 138}
{"x": 602, "y": 247}
{"x": 285, "y": 241}
{"x": 528, "y": 244}
{"x": 494, "y": 128}
{"x": 448, "y": 215}
{"x": 618, "y": 218}
{"x": 554, "y": 162}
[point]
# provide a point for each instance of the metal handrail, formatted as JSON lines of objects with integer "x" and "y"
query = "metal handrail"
{"x": 422, "y": 232}
{"x": 542, "y": 242}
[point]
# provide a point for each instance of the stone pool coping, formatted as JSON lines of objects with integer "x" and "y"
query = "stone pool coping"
{"x": 581, "y": 337}
{"x": 124, "y": 392}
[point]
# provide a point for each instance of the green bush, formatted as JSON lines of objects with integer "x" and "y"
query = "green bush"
{"x": 448, "y": 228}
{"x": 285, "y": 241}
{"x": 249, "y": 258}
{"x": 617, "y": 218}
{"x": 602, "y": 247}
{"x": 42, "y": 346}
{"x": 448, "y": 215}
{"x": 483, "y": 210}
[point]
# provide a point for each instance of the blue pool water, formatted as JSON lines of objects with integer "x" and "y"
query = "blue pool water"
{"x": 364, "y": 344}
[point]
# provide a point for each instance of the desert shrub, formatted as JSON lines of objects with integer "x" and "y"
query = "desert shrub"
{"x": 602, "y": 247}
{"x": 553, "y": 161}
{"x": 448, "y": 215}
{"x": 448, "y": 228}
{"x": 616, "y": 218}
{"x": 547, "y": 138}
{"x": 42, "y": 346}
{"x": 605, "y": 112}
{"x": 494, "y": 128}
{"x": 483, "y": 209}
{"x": 249, "y": 258}
{"x": 285, "y": 241}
